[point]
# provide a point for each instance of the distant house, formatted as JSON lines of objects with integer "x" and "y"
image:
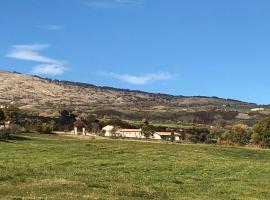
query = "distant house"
{"x": 257, "y": 109}
{"x": 166, "y": 136}
{"x": 130, "y": 133}
{"x": 109, "y": 130}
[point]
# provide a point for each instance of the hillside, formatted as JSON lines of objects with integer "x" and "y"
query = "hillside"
{"x": 38, "y": 94}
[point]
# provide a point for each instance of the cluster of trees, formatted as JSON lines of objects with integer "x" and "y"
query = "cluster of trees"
{"x": 261, "y": 133}
{"x": 238, "y": 135}
{"x": 241, "y": 135}
{"x": 199, "y": 117}
{"x": 9, "y": 115}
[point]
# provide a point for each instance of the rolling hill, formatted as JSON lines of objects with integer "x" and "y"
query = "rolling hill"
{"x": 38, "y": 94}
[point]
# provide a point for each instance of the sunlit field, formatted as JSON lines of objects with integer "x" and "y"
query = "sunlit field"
{"x": 55, "y": 167}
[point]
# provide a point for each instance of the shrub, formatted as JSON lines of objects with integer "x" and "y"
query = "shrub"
{"x": 31, "y": 127}
{"x": 4, "y": 134}
{"x": 239, "y": 135}
{"x": 2, "y": 115}
{"x": 12, "y": 114}
{"x": 146, "y": 130}
{"x": 261, "y": 133}
{"x": 15, "y": 129}
{"x": 197, "y": 135}
{"x": 46, "y": 128}
{"x": 172, "y": 138}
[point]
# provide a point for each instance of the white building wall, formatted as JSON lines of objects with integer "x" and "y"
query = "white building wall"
{"x": 108, "y": 133}
{"x": 156, "y": 137}
{"x": 129, "y": 134}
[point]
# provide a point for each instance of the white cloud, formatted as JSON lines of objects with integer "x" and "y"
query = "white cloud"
{"x": 138, "y": 80}
{"x": 30, "y": 53}
{"x": 48, "y": 66}
{"x": 48, "y": 69}
{"x": 51, "y": 27}
{"x": 108, "y": 4}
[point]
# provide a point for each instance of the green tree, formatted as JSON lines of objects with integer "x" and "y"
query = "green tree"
{"x": 146, "y": 128}
{"x": 239, "y": 135}
{"x": 261, "y": 133}
{"x": 47, "y": 128}
{"x": 2, "y": 115}
{"x": 67, "y": 119}
{"x": 172, "y": 137}
{"x": 4, "y": 134}
{"x": 12, "y": 114}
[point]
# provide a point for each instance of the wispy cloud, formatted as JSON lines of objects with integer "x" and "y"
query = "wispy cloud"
{"x": 48, "y": 66}
{"x": 109, "y": 4}
{"x": 49, "y": 69}
{"x": 51, "y": 27}
{"x": 138, "y": 80}
{"x": 30, "y": 52}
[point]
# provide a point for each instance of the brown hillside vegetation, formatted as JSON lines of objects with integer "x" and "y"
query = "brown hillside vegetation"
{"x": 38, "y": 94}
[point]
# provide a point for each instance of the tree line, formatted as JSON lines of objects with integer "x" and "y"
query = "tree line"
{"x": 14, "y": 121}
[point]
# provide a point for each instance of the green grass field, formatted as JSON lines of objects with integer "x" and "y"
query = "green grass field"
{"x": 55, "y": 167}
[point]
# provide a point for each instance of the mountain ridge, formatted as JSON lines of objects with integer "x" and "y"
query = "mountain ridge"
{"x": 46, "y": 97}
{"x": 82, "y": 84}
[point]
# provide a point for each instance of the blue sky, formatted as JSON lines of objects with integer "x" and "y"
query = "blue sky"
{"x": 181, "y": 47}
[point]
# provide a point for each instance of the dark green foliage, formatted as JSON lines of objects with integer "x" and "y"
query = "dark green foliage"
{"x": 172, "y": 137}
{"x": 12, "y": 114}
{"x": 4, "y": 134}
{"x": 146, "y": 130}
{"x": 2, "y": 115}
{"x": 118, "y": 122}
{"x": 15, "y": 129}
{"x": 33, "y": 126}
{"x": 261, "y": 133}
{"x": 66, "y": 120}
{"x": 197, "y": 135}
{"x": 47, "y": 128}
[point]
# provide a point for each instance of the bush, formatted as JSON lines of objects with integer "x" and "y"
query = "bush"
{"x": 261, "y": 133}
{"x": 237, "y": 136}
{"x": 4, "y": 134}
{"x": 15, "y": 129}
{"x": 197, "y": 135}
{"x": 12, "y": 114}
{"x": 46, "y": 128}
{"x": 172, "y": 138}
{"x": 2, "y": 115}
{"x": 31, "y": 127}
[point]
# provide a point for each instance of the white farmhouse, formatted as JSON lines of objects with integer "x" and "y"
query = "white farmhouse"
{"x": 130, "y": 133}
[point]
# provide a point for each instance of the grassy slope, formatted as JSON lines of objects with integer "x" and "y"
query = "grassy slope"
{"x": 59, "y": 168}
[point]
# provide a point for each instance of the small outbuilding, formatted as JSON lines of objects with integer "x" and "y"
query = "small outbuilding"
{"x": 109, "y": 130}
{"x": 166, "y": 136}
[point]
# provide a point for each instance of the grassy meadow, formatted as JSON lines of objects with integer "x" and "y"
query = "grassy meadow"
{"x": 56, "y": 167}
